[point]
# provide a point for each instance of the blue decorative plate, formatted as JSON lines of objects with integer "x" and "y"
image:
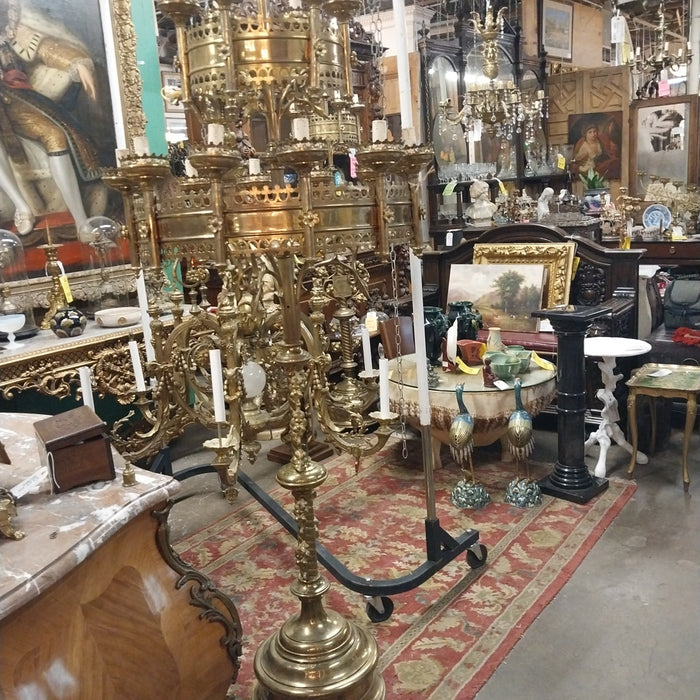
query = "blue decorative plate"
{"x": 657, "y": 214}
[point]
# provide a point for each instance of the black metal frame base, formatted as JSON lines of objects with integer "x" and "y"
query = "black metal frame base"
{"x": 441, "y": 547}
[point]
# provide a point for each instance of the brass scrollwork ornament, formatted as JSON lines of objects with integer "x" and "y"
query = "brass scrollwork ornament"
{"x": 8, "y": 511}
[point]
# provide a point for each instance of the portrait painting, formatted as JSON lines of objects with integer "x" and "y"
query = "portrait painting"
{"x": 664, "y": 141}
{"x": 596, "y": 141}
{"x": 57, "y": 130}
{"x": 505, "y": 295}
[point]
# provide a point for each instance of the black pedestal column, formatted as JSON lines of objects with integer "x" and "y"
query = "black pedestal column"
{"x": 570, "y": 479}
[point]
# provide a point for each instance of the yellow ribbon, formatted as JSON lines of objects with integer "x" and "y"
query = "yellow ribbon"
{"x": 544, "y": 364}
{"x": 466, "y": 368}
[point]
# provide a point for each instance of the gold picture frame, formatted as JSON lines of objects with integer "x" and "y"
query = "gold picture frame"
{"x": 557, "y": 258}
{"x": 130, "y": 120}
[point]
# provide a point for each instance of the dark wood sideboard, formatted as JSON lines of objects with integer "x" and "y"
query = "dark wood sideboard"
{"x": 604, "y": 276}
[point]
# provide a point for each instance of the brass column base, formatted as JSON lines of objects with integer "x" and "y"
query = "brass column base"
{"x": 316, "y": 653}
{"x": 327, "y": 658}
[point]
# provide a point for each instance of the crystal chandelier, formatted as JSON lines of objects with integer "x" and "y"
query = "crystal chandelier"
{"x": 496, "y": 105}
{"x": 649, "y": 68}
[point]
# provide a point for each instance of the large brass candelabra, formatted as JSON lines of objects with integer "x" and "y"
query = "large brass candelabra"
{"x": 278, "y": 237}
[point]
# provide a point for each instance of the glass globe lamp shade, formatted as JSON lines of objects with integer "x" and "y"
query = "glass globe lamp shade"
{"x": 12, "y": 265}
{"x": 103, "y": 229}
{"x": 254, "y": 379}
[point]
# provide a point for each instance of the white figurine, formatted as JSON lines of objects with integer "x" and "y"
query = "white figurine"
{"x": 543, "y": 203}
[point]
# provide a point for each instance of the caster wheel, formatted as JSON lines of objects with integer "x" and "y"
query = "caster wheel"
{"x": 476, "y": 559}
{"x": 379, "y": 609}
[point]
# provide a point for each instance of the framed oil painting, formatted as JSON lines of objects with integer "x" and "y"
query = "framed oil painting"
{"x": 505, "y": 295}
{"x": 557, "y": 28}
{"x": 557, "y": 258}
{"x": 65, "y": 111}
{"x": 663, "y": 141}
{"x": 597, "y": 143}
{"x": 170, "y": 81}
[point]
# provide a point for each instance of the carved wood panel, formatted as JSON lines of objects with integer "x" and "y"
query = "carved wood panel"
{"x": 587, "y": 91}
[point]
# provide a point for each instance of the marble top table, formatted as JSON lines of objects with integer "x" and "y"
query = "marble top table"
{"x": 61, "y": 530}
{"x": 50, "y": 364}
{"x": 490, "y": 407}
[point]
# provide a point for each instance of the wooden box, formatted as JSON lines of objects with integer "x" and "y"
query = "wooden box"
{"x": 76, "y": 448}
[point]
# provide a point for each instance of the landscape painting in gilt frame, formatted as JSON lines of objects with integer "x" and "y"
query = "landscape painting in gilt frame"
{"x": 505, "y": 295}
{"x": 55, "y": 169}
{"x": 557, "y": 258}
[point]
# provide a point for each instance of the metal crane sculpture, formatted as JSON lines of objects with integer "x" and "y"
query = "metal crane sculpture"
{"x": 522, "y": 491}
{"x": 467, "y": 493}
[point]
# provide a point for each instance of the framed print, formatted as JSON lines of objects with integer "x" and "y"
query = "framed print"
{"x": 557, "y": 258}
{"x": 557, "y": 28}
{"x": 171, "y": 85}
{"x": 505, "y": 295}
{"x": 81, "y": 100}
{"x": 663, "y": 141}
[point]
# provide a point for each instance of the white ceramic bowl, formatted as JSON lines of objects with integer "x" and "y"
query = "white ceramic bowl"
{"x": 118, "y": 316}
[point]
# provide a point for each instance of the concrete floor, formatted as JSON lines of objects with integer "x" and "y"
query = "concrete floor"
{"x": 626, "y": 625}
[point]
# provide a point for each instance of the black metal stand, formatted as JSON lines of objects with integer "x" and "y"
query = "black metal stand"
{"x": 570, "y": 478}
{"x": 441, "y": 547}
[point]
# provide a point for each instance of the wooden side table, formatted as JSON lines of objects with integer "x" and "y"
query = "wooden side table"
{"x": 671, "y": 382}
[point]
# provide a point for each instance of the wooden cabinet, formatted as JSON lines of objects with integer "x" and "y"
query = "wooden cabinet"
{"x": 665, "y": 253}
{"x": 95, "y": 604}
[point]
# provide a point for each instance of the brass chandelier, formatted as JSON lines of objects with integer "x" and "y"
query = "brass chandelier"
{"x": 652, "y": 65}
{"x": 497, "y": 105}
{"x": 276, "y": 231}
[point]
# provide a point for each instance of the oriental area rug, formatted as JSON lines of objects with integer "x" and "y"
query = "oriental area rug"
{"x": 446, "y": 636}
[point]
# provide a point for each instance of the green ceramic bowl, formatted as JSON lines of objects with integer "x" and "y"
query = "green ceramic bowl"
{"x": 490, "y": 354}
{"x": 505, "y": 367}
{"x": 523, "y": 357}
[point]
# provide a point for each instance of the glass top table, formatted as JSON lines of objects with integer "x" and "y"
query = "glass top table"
{"x": 490, "y": 407}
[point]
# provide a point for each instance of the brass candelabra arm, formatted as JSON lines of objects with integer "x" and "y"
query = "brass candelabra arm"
{"x": 226, "y": 462}
{"x": 352, "y": 435}
{"x": 56, "y": 296}
{"x": 138, "y": 441}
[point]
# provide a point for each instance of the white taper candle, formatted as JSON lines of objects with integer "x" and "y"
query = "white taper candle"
{"x": 86, "y": 386}
{"x": 366, "y": 348}
{"x": 145, "y": 318}
{"x": 419, "y": 333}
{"x": 383, "y": 387}
{"x": 300, "y": 128}
{"x": 215, "y": 134}
{"x": 141, "y": 147}
{"x": 217, "y": 385}
{"x": 136, "y": 364}
{"x": 380, "y": 131}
